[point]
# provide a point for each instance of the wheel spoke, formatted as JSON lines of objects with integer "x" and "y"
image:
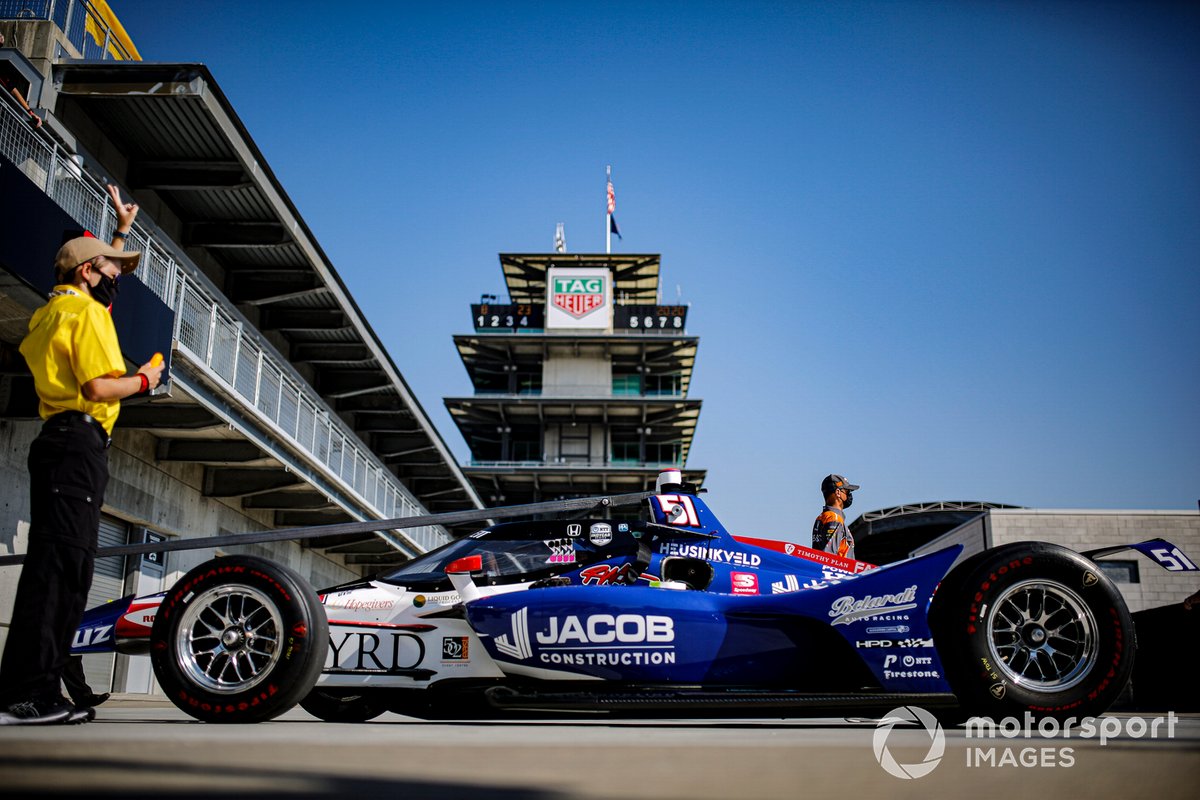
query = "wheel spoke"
{"x": 228, "y": 639}
{"x": 1042, "y": 634}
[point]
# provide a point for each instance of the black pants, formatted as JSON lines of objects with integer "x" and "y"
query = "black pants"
{"x": 68, "y": 471}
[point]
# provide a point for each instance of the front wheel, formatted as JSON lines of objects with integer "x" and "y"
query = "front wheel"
{"x": 1034, "y": 627}
{"x": 239, "y": 639}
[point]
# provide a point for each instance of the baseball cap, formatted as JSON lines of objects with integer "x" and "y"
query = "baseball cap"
{"x": 85, "y": 248}
{"x": 833, "y": 482}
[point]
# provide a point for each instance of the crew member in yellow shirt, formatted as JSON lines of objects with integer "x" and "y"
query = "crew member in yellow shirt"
{"x": 79, "y": 374}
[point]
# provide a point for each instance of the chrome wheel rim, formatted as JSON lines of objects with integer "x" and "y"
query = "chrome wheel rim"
{"x": 228, "y": 638}
{"x": 1042, "y": 636}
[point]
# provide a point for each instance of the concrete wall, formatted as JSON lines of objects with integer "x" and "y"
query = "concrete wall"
{"x": 1088, "y": 530}
{"x": 164, "y": 497}
{"x": 574, "y": 371}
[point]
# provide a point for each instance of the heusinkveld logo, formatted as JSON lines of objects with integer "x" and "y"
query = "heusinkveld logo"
{"x": 933, "y": 754}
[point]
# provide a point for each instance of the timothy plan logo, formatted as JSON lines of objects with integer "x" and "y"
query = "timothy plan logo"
{"x": 578, "y": 298}
{"x": 933, "y": 742}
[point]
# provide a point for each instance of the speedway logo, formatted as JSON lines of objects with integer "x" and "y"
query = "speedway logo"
{"x": 744, "y": 583}
{"x": 599, "y": 639}
{"x": 848, "y": 609}
{"x": 710, "y": 554}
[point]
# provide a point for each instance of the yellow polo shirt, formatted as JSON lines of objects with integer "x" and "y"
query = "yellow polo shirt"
{"x": 71, "y": 341}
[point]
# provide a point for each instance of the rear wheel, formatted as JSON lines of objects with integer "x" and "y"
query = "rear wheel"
{"x": 239, "y": 639}
{"x": 1034, "y": 627}
{"x": 344, "y": 706}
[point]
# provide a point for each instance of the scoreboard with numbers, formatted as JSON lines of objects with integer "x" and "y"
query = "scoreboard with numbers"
{"x": 649, "y": 319}
{"x": 515, "y": 317}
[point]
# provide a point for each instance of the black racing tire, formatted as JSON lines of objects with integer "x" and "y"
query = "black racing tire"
{"x": 1033, "y": 627}
{"x": 348, "y": 705}
{"x": 239, "y": 639}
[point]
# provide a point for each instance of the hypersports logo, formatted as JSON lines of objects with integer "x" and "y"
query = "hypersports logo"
{"x": 848, "y": 609}
{"x": 561, "y": 551}
{"x": 518, "y": 647}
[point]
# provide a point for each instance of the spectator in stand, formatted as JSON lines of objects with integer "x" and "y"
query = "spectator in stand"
{"x": 10, "y": 82}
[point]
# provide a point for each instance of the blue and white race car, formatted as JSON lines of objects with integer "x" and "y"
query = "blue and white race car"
{"x": 667, "y": 614}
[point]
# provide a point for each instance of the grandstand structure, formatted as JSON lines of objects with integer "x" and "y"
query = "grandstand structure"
{"x": 580, "y": 378}
{"x": 281, "y": 408}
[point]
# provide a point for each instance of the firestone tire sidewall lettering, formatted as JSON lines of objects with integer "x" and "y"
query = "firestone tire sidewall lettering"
{"x": 989, "y": 689}
{"x": 303, "y": 638}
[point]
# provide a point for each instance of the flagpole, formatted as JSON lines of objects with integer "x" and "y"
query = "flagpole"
{"x": 607, "y": 212}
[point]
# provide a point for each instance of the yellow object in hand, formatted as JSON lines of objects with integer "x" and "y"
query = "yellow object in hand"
{"x": 156, "y": 359}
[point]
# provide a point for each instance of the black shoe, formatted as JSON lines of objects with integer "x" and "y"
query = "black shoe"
{"x": 89, "y": 700}
{"x": 79, "y": 714}
{"x": 36, "y": 712}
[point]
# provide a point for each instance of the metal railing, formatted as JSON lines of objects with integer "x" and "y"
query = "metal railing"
{"x": 572, "y": 463}
{"x": 586, "y": 390}
{"x": 84, "y": 27}
{"x": 217, "y": 341}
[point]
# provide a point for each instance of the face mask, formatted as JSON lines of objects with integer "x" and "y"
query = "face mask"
{"x": 105, "y": 292}
{"x": 849, "y": 500}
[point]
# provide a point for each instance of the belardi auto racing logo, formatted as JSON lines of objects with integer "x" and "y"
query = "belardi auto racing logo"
{"x": 848, "y": 609}
{"x": 592, "y": 639}
{"x": 579, "y": 296}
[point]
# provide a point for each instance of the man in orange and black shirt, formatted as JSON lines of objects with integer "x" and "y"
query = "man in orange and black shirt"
{"x": 830, "y": 533}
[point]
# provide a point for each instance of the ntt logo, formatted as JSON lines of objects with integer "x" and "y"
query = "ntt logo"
{"x": 909, "y": 715}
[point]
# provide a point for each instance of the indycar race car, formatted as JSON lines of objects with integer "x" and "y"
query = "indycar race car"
{"x": 668, "y": 614}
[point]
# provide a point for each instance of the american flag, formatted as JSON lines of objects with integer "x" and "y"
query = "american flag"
{"x": 612, "y": 205}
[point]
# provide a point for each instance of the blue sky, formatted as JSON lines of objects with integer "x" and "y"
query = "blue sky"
{"x": 950, "y": 250}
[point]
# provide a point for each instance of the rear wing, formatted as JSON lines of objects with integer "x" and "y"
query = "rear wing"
{"x": 1165, "y": 554}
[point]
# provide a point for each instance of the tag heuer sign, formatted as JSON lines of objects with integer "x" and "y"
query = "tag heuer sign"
{"x": 578, "y": 298}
